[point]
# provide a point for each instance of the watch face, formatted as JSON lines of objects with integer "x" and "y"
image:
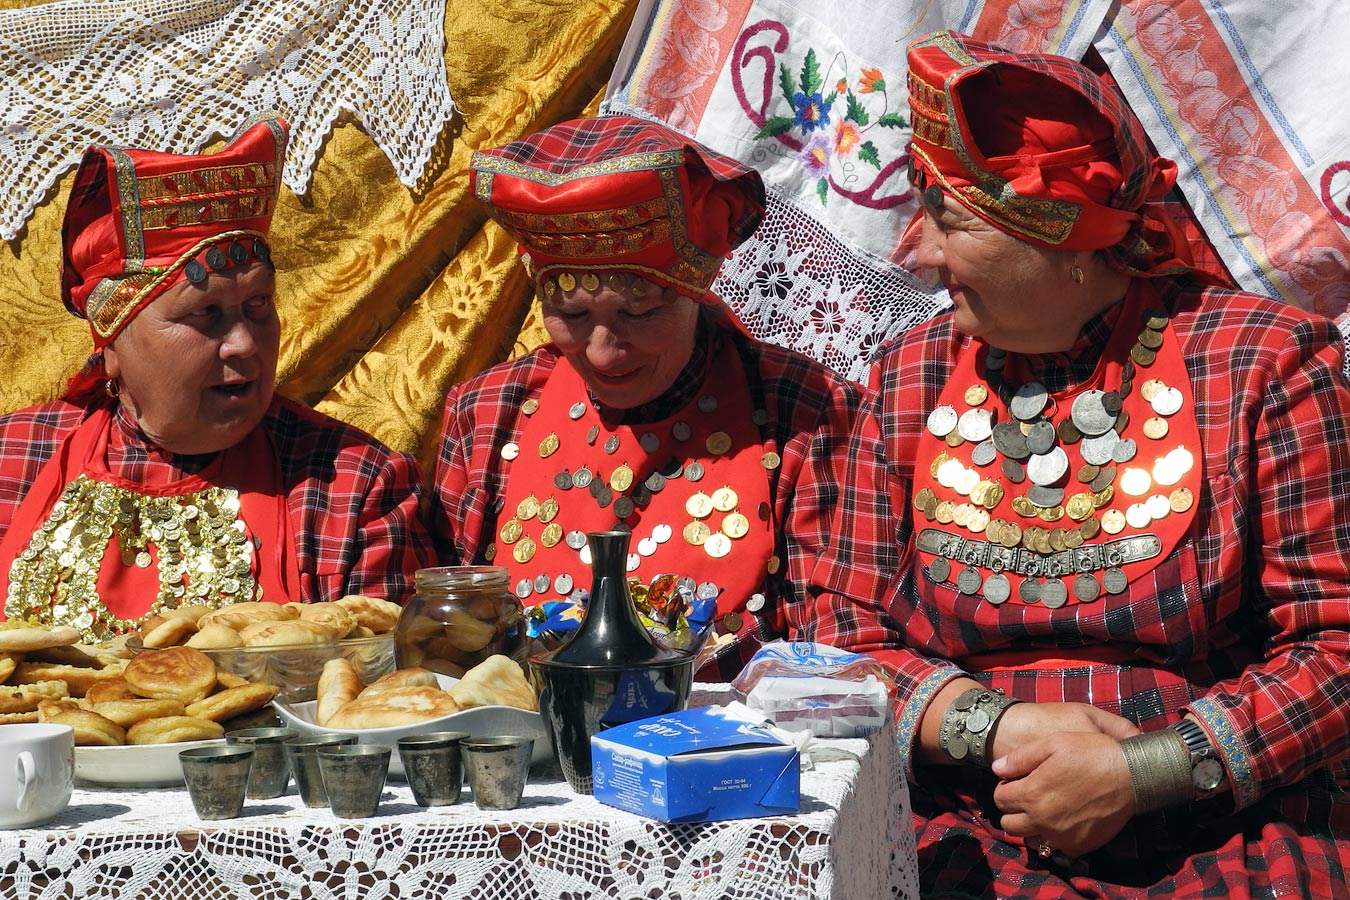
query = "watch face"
{"x": 1207, "y": 775}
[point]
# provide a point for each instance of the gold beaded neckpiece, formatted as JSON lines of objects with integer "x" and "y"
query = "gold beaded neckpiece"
{"x": 200, "y": 546}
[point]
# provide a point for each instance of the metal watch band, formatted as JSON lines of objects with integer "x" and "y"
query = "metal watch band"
{"x": 1201, "y": 750}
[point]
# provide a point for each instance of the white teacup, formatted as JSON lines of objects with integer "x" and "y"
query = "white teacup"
{"x": 37, "y": 772}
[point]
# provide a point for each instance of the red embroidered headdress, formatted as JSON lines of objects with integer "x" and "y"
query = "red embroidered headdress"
{"x": 620, "y": 193}
{"x": 139, "y": 221}
{"x": 1037, "y": 145}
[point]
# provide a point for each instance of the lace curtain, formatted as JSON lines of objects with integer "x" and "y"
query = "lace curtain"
{"x": 173, "y": 74}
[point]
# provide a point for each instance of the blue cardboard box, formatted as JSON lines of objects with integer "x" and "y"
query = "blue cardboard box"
{"x": 698, "y": 765}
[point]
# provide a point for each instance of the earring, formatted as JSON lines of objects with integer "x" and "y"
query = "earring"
{"x": 111, "y": 389}
{"x": 1076, "y": 273}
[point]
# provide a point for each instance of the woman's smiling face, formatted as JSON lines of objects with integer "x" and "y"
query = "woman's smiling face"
{"x": 628, "y": 338}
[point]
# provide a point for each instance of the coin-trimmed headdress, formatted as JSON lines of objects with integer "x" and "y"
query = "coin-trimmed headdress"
{"x": 617, "y": 192}
{"x": 139, "y": 221}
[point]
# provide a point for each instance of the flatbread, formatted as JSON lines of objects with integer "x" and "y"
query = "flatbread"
{"x": 396, "y": 706}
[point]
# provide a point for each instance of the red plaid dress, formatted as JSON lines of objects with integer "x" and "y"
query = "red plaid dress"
{"x": 810, "y": 410}
{"x": 1249, "y": 625}
{"x": 353, "y": 503}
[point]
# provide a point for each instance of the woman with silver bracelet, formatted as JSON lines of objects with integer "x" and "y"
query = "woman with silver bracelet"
{"x": 1096, "y": 521}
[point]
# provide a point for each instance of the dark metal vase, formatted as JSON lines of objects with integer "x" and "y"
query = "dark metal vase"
{"x": 612, "y": 671}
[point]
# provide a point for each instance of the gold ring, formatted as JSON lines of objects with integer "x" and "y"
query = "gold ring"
{"x": 1044, "y": 850}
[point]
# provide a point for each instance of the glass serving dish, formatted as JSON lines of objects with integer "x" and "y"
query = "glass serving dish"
{"x": 295, "y": 668}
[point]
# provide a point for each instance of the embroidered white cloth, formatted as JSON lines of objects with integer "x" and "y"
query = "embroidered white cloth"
{"x": 813, "y": 95}
{"x": 852, "y": 839}
{"x": 174, "y": 74}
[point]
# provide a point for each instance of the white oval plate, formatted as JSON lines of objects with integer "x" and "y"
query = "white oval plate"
{"x": 135, "y": 765}
{"x": 479, "y": 721}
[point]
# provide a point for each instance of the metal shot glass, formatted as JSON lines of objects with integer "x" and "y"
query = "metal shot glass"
{"x": 216, "y": 778}
{"x": 431, "y": 763}
{"x": 302, "y": 755}
{"x": 270, "y": 774}
{"x": 498, "y": 768}
{"x": 353, "y": 777}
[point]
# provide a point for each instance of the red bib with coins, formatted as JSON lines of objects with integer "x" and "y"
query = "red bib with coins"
{"x": 1046, "y": 499}
{"x": 98, "y": 552}
{"x": 692, "y": 488}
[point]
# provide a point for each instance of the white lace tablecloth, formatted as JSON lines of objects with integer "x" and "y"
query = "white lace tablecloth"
{"x": 852, "y": 839}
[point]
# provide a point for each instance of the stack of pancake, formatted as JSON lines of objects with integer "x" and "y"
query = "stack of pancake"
{"x": 159, "y": 696}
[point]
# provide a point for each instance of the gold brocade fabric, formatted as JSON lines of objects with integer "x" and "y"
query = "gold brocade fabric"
{"x": 387, "y": 296}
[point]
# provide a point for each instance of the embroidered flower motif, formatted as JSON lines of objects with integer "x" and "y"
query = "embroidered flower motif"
{"x": 816, "y": 156}
{"x": 845, "y": 137}
{"x": 826, "y": 134}
{"x": 811, "y": 112}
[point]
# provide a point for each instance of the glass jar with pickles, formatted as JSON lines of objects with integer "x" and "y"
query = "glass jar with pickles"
{"x": 458, "y": 617}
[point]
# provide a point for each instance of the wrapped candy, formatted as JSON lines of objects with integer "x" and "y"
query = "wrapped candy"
{"x": 669, "y": 607}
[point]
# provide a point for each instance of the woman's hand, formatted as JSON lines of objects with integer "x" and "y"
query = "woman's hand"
{"x": 1023, "y": 723}
{"x": 1068, "y": 789}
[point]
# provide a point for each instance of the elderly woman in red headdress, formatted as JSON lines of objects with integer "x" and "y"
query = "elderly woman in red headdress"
{"x": 170, "y": 473}
{"x": 1097, "y": 521}
{"x": 650, "y": 410}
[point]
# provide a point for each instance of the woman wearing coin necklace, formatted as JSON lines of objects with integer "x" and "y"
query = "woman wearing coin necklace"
{"x": 650, "y": 410}
{"x": 169, "y": 473}
{"x": 1096, "y": 522}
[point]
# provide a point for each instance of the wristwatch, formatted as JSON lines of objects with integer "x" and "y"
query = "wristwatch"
{"x": 1207, "y": 772}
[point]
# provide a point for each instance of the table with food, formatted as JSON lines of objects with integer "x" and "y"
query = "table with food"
{"x": 363, "y": 748}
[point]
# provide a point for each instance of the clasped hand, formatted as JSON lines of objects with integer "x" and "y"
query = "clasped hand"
{"x": 1063, "y": 778}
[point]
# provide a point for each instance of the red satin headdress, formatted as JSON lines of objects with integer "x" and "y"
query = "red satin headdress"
{"x": 138, "y": 221}
{"x": 1037, "y": 145}
{"x": 618, "y": 192}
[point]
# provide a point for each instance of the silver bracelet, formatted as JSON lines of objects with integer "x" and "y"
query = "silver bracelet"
{"x": 1160, "y": 770}
{"x": 968, "y": 723}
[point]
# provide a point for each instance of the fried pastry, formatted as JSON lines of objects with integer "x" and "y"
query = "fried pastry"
{"x": 128, "y": 712}
{"x": 173, "y": 730}
{"x": 215, "y": 636}
{"x": 170, "y": 632}
{"x": 91, "y": 729}
{"x": 412, "y": 677}
{"x": 8, "y": 663}
{"x": 380, "y": 616}
{"x": 24, "y": 638}
{"x": 176, "y": 673}
{"x": 281, "y": 634}
{"x": 241, "y": 615}
{"x": 338, "y": 685}
{"x": 497, "y": 680}
{"x": 233, "y": 701}
{"x": 78, "y": 679}
{"x": 337, "y": 619}
{"x": 226, "y": 679}
{"x": 396, "y": 706}
{"x": 115, "y": 688}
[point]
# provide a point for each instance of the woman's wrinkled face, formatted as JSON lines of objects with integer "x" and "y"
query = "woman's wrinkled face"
{"x": 629, "y": 338}
{"x": 1004, "y": 291}
{"x": 197, "y": 367}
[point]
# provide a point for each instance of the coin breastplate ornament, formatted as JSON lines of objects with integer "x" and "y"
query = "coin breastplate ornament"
{"x": 1052, "y": 500}
{"x": 197, "y": 541}
{"x": 693, "y": 490}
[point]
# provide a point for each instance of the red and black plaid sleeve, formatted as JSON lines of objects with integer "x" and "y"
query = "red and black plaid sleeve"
{"x": 356, "y": 507}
